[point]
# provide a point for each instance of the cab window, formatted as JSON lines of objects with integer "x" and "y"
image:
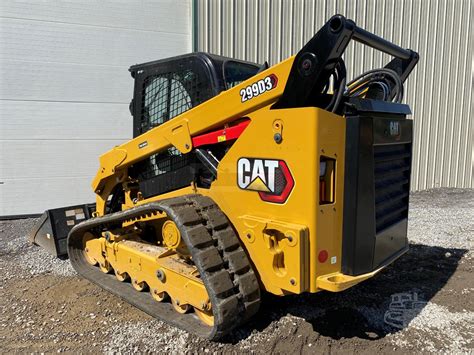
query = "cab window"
{"x": 236, "y": 72}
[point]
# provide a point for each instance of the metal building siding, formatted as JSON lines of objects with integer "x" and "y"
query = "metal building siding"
{"x": 439, "y": 91}
{"x": 65, "y": 90}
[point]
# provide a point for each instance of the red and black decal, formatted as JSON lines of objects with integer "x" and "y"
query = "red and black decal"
{"x": 221, "y": 135}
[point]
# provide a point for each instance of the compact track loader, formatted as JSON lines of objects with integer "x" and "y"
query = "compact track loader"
{"x": 242, "y": 178}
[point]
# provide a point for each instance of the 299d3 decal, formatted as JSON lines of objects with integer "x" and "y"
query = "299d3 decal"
{"x": 259, "y": 87}
{"x": 271, "y": 178}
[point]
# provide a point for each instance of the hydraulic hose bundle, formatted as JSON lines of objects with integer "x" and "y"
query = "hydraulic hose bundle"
{"x": 387, "y": 80}
{"x": 383, "y": 84}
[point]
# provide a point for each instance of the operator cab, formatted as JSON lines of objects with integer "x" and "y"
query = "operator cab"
{"x": 165, "y": 89}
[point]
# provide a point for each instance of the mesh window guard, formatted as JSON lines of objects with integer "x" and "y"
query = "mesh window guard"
{"x": 163, "y": 163}
{"x": 168, "y": 95}
{"x": 165, "y": 96}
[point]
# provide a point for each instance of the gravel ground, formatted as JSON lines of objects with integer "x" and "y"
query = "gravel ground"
{"x": 45, "y": 307}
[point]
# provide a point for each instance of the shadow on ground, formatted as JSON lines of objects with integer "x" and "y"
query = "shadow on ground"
{"x": 359, "y": 312}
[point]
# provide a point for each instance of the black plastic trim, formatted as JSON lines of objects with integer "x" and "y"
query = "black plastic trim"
{"x": 376, "y": 186}
{"x": 356, "y": 105}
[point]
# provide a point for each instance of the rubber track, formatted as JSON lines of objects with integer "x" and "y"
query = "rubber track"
{"x": 216, "y": 251}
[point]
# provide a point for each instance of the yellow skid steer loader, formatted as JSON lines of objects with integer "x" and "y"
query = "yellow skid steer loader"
{"x": 242, "y": 178}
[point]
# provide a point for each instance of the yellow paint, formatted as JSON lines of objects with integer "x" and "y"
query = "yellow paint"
{"x": 140, "y": 260}
{"x": 282, "y": 240}
{"x": 323, "y": 134}
{"x": 337, "y": 281}
{"x": 280, "y": 251}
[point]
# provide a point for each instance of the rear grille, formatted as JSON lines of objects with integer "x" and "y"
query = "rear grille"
{"x": 392, "y": 183}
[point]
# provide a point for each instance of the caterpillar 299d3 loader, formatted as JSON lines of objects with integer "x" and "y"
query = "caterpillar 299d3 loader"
{"x": 242, "y": 178}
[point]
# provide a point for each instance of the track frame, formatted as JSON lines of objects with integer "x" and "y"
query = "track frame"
{"x": 224, "y": 267}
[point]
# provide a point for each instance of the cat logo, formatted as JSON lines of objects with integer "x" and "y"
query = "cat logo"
{"x": 271, "y": 178}
{"x": 395, "y": 128}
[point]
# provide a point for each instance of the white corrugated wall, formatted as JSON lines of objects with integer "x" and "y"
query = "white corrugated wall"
{"x": 65, "y": 89}
{"x": 439, "y": 91}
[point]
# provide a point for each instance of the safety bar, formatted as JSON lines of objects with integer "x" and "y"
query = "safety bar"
{"x": 376, "y": 42}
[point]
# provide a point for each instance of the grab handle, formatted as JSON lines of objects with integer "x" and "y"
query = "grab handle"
{"x": 376, "y": 42}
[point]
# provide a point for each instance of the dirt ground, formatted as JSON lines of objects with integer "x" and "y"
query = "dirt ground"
{"x": 45, "y": 307}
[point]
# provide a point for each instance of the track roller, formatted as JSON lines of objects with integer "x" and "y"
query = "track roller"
{"x": 159, "y": 296}
{"x": 180, "y": 308}
{"x": 121, "y": 276}
{"x": 105, "y": 267}
{"x": 139, "y": 286}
